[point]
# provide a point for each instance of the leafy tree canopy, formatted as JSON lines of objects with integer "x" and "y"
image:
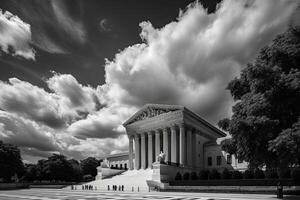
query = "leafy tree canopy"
{"x": 265, "y": 121}
{"x": 89, "y": 166}
{"x": 10, "y": 161}
{"x": 57, "y": 167}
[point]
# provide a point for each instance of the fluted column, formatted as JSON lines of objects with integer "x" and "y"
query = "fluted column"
{"x": 137, "y": 152}
{"x": 130, "y": 152}
{"x": 143, "y": 150}
{"x": 166, "y": 144}
{"x": 194, "y": 148}
{"x": 182, "y": 147}
{"x": 150, "y": 150}
{"x": 189, "y": 147}
{"x": 157, "y": 143}
{"x": 174, "y": 145}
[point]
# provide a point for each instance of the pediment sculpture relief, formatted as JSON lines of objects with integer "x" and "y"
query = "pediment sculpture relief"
{"x": 150, "y": 112}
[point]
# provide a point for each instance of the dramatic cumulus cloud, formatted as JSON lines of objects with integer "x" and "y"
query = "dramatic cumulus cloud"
{"x": 26, "y": 133}
{"x": 68, "y": 101}
{"x": 191, "y": 60}
{"x": 30, "y": 101}
{"x": 188, "y": 62}
{"x": 15, "y": 36}
{"x": 64, "y": 119}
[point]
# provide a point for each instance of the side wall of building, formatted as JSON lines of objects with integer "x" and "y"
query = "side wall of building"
{"x": 215, "y": 158}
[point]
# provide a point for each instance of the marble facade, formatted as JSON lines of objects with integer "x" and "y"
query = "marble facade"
{"x": 174, "y": 130}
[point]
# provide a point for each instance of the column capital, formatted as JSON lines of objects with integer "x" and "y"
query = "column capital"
{"x": 173, "y": 125}
{"x": 142, "y": 135}
{"x": 130, "y": 137}
{"x": 136, "y": 136}
{"x": 182, "y": 125}
{"x": 150, "y": 133}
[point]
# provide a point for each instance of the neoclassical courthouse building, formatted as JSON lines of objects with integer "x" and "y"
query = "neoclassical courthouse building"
{"x": 188, "y": 141}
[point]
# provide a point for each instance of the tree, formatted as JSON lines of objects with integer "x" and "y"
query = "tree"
{"x": 76, "y": 170}
{"x": 10, "y": 161}
{"x": 89, "y": 166}
{"x": 287, "y": 144}
{"x": 56, "y": 167}
{"x": 31, "y": 172}
{"x": 265, "y": 121}
{"x": 229, "y": 146}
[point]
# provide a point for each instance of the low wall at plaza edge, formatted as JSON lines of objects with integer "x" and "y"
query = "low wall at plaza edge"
{"x": 13, "y": 186}
{"x": 107, "y": 172}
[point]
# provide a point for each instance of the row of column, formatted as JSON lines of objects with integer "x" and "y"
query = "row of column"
{"x": 177, "y": 150}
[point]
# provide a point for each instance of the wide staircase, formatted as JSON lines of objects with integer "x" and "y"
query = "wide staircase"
{"x": 135, "y": 179}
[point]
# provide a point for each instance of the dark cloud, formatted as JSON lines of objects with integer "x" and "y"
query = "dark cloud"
{"x": 30, "y": 101}
{"x": 26, "y": 133}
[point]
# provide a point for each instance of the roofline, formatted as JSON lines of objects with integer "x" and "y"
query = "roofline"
{"x": 116, "y": 155}
{"x": 183, "y": 108}
{"x": 209, "y": 125}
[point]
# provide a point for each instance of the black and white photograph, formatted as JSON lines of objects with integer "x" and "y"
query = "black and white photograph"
{"x": 149, "y": 99}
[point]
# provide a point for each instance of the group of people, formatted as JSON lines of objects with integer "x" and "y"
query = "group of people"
{"x": 115, "y": 187}
{"x": 88, "y": 187}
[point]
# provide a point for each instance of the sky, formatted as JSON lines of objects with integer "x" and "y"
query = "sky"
{"x": 71, "y": 72}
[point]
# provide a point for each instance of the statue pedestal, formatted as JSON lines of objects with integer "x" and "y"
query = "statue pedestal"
{"x": 160, "y": 172}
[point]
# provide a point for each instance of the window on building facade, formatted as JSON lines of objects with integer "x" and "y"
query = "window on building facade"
{"x": 209, "y": 161}
{"x": 229, "y": 161}
{"x": 219, "y": 160}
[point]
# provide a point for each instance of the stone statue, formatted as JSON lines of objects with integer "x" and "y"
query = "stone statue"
{"x": 161, "y": 157}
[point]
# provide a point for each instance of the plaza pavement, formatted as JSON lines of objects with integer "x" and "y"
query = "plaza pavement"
{"x": 57, "y": 194}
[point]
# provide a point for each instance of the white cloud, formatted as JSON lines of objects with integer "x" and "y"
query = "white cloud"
{"x": 72, "y": 94}
{"x": 190, "y": 61}
{"x": 15, "y": 36}
{"x": 31, "y": 101}
{"x": 69, "y": 101}
{"x": 106, "y": 123}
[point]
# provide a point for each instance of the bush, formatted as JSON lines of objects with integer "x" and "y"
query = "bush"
{"x": 203, "y": 174}
{"x": 237, "y": 175}
{"x": 259, "y": 174}
{"x": 214, "y": 174}
{"x": 194, "y": 176}
{"x": 178, "y": 177}
{"x": 271, "y": 174}
{"x": 285, "y": 173}
{"x": 248, "y": 174}
{"x": 296, "y": 175}
{"x": 186, "y": 176}
{"x": 226, "y": 174}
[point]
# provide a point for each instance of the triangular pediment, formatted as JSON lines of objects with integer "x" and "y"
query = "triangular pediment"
{"x": 152, "y": 110}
